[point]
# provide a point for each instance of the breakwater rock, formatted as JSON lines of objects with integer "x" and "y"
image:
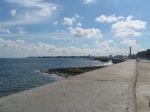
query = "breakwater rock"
{"x": 67, "y": 72}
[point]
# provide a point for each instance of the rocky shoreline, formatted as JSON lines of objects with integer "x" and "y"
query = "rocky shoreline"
{"x": 68, "y": 72}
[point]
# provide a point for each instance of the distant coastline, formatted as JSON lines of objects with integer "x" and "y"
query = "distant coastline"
{"x": 60, "y": 57}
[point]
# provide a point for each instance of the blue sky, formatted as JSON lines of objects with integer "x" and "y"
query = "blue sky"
{"x": 73, "y": 27}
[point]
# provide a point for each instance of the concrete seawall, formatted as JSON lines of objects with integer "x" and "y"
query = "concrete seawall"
{"x": 110, "y": 89}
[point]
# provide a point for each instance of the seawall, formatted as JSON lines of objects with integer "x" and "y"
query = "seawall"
{"x": 110, "y": 89}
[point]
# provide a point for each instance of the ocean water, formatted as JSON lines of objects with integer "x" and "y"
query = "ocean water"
{"x": 22, "y": 73}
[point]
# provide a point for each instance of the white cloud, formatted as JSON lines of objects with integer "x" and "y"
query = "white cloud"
{"x": 45, "y": 12}
{"x": 13, "y": 12}
{"x": 31, "y": 3}
{"x": 19, "y": 48}
{"x": 89, "y": 1}
{"x": 77, "y": 16}
{"x": 108, "y": 19}
{"x": 106, "y": 49}
{"x": 42, "y": 48}
{"x": 55, "y": 23}
{"x": 128, "y": 27}
{"x": 3, "y": 30}
{"x": 21, "y": 30}
{"x": 107, "y": 43}
{"x": 68, "y": 21}
{"x": 97, "y": 43}
{"x": 1, "y": 42}
{"x": 79, "y": 24}
{"x": 104, "y": 44}
{"x": 86, "y": 33}
{"x": 32, "y": 11}
{"x": 85, "y": 45}
{"x": 10, "y": 43}
{"x": 129, "y": 42}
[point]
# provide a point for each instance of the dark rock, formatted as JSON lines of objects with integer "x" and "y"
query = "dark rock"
{"x": 67, "y": 72}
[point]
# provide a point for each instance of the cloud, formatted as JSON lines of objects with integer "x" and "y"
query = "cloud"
{"x": 10, "y": 43}
{"x": 85, "y": 45}
{"x": 20, "y": 48}
{"x": 42, "y": 48}
{"x": 13, "y": 12}
{"x": 104, "y": 44}
{"x": 129, "y": 42}
{"x": 55, "y": 23}
{"x": 128, "y": 27}
{"x": 21, "y": 30}
{"x": 97, "y": 43}
{"x": 106, "y": 49}
{"x": 3, "y": 30}
{"x": 77, "y": 16}
{"x": 31, "y": 3}
{"x": 108, "y": 19}
{"x": 79, "y": 24}
{"x": 32, "y": 11}
{"x": 89, "y": 1}
{"x": 68, "y": 21}
{"x": 86, "y": 33}
{"x": 1, "y": 42}
{"x": 46, "y": 11}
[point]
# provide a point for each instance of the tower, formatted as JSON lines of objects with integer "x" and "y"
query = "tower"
{"x": 130, "y": 53}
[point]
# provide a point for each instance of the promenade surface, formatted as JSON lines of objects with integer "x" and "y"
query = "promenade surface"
{"x": 110, "y": 89}
{"x": 143, "y": 86}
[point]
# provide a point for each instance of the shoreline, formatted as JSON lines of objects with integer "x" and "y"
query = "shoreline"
{"x": 71, "y": 71}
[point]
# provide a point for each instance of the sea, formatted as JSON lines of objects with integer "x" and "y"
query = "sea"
{"x": 19, "y": 74}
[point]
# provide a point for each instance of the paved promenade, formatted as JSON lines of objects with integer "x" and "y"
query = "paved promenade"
{"x": 143, "y": 86}
{"x": 110, "y": 89}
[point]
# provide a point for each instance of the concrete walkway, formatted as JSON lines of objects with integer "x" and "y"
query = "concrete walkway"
{"x": 143, "y": 86}
{"x": 110, "y": 89}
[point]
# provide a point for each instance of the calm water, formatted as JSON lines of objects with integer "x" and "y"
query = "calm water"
{"x": 22, "y": 74}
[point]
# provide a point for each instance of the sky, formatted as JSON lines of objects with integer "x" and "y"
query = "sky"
{"x": 73, "y": 27}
